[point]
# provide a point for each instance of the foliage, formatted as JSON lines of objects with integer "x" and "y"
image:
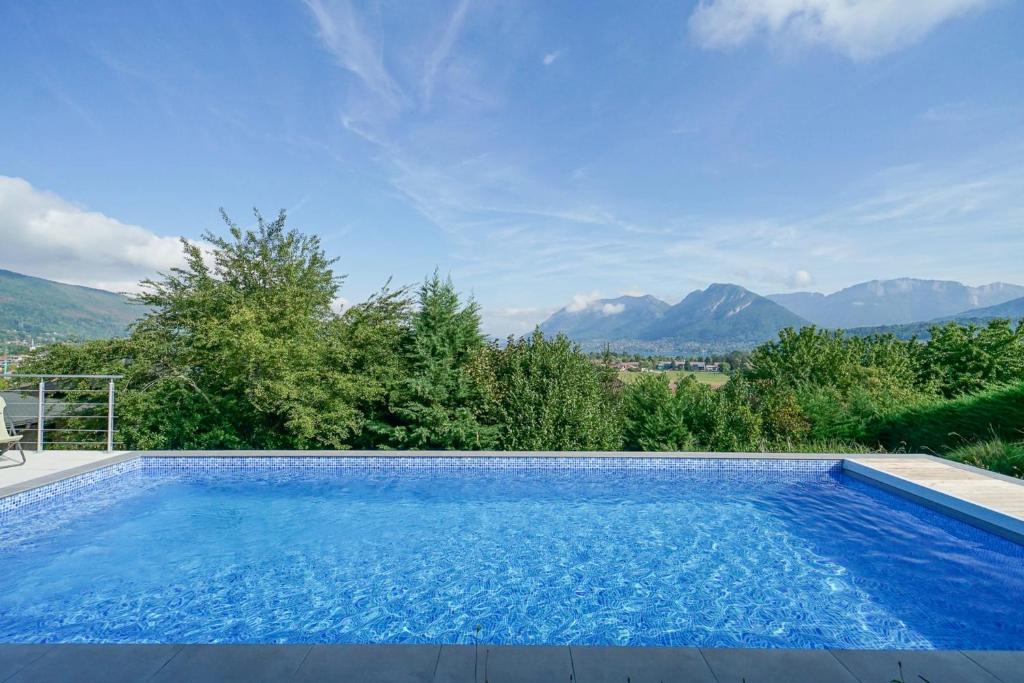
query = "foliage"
{"x": 1001, "y": 456}
{"x": 438, "y": 402}
{"x": 723, "y": 419}
{"x": 241, "y": 348}
{"x": 238, "y": 349}
{"x": 826, "y": 358}
{"x": 961, "y": 359}
{"x": 548, "y": 396}
{"x": 943, "y": 425}
{"x": 653, "y": 416}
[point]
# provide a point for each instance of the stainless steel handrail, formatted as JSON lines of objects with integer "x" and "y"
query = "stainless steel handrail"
{"x": 58, "y": 393}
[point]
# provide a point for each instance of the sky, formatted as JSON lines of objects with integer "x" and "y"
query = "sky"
{"x": 541, "y": 153}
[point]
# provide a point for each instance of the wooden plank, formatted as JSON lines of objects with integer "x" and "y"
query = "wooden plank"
{"x": 974, "y": 487}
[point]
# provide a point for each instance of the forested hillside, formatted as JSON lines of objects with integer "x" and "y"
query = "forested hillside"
{"x": 43, "y": 310}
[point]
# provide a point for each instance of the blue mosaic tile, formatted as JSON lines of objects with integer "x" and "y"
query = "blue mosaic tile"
{"x": 74, "y": 488}
{"x": 66, "y": 488}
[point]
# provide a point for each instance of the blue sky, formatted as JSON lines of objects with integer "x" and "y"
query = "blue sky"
{"x": 538, "y": 152}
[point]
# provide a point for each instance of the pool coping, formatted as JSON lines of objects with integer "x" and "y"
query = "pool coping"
{"x": 439, "y": 663}
{"x": 856, "y": 465}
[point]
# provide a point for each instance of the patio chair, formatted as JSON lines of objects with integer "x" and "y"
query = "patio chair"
{"x": 8, "y": 440}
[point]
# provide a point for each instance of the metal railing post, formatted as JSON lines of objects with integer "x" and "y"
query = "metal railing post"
{"x": 110, "y": 417}
{"x": 39, "y": 424}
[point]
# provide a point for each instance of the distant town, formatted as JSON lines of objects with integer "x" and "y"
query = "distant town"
{"x": 685, "y": 365}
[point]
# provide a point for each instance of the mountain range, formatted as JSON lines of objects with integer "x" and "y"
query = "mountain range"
{"x": 1013, "y": 310}
{"x": 893, "y": 302}
{"x": 719, "y": 318}
{"x": 727, "y": 316}
{"x": 721, "y": 315}
{"x": 34, "y": 309}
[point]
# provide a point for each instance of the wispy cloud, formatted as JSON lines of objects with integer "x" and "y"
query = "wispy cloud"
{"x": 515, "y": 321}
{"x": 860, "y": 29}
{"x": 506, "y": 219}
{"x": 342, "y": 33}
{"x": 444, "y": 46}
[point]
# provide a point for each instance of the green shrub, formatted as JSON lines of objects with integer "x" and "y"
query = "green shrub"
{"x": 941, "y": 426}
{"x": 549, "y": 396}
{"x": 721, "y": 419}
{"x": 1000, "y": 456}
{"x": 653, "y": 418}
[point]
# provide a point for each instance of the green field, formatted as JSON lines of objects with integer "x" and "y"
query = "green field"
{"x": 714, "y": 379}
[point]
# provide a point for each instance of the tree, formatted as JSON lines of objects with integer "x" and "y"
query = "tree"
{"x": 961, "y": 359}
{"x": 722, "y": 419}
{"x": 548, "y": 396}
{"x": 238, "y": 349}
{"x": 439, "y": 402}
{"x": 242, "y": 333}
{"x": 653, "y": 419}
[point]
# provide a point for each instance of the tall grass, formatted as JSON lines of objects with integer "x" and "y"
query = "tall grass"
{"x": 827, "y": 446}
{"x": 997, "y": 455}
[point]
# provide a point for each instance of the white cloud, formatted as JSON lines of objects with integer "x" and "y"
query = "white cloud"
{"x": 581, "y": 302}
{"x": 860, "y": 29}
{"x": 612, "y": 309}
{"x": 501, "y": 322}
{"x": 800, "y": 278}
{"x": 551, "y": 57}
{"x": 584, "y": 302}
{"x": 44, "y": 235}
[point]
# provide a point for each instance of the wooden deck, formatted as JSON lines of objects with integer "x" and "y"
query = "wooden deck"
{"x": 964, "y": 491}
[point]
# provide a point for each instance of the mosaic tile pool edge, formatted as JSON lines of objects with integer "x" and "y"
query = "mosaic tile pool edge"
{"x": 397, "y": 462}
{"x": 78, "y": 484}
{"x": 65, "y": 487}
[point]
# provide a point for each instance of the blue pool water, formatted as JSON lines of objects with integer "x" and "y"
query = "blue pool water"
{"x": 629, "y": 552}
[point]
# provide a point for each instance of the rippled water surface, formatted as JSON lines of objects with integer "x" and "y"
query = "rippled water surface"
{"x": 600, "y": 556}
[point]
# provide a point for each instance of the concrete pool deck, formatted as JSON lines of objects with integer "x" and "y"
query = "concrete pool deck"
{"x": 497, "y": 664}
{"x": 50, "y": 466}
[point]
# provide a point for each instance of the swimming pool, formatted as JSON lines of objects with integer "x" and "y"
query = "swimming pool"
{"x": 617, "y": 551}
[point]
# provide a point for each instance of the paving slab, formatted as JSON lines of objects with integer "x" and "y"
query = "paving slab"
{"x": 934, "y": 666}
{"x": 86, "y": 663}
{"x": 369, "y": 663}
{"x": 228, "y": 663}
{"x": 1004, "y": 665}
{"x": 506, "y": 664}
{"x": 736, "y": 665}
{"x": 459, "y": 664}
{"x": 640, "y": 665}
{"x": 43, "y": 468}
{"x": 14, "y": 657}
